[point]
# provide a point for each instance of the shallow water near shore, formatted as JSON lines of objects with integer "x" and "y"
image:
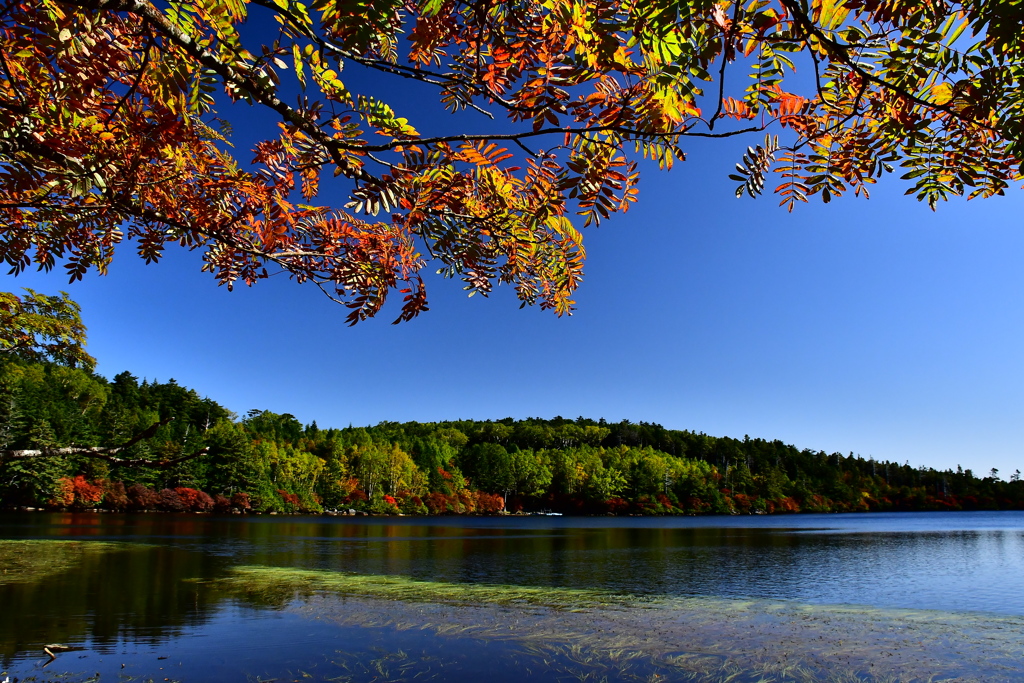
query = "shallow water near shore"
{"x": 894, "y": 597}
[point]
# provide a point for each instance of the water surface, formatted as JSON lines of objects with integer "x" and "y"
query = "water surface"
{"x": 237, "y": 597}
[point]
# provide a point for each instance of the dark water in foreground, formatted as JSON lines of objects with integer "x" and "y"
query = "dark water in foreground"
{"x": 809, "y": 597}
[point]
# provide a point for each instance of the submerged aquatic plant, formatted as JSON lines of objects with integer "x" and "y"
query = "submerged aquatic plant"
{"x": 278, "y": 584}
{"x": 433, "y": 630}
{"x": 555, "y": 662}
{"x": 592, "y": 635}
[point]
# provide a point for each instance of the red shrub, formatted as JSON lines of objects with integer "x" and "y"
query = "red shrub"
{"x": 194, "y": 500}
{"x": 221, "y": 503}
{"x": 490, "y": 503}
{"x": 141, "y": 497}
{"x": 240, "y": 501}
{"x": 63, "y": 494}
{"x": 437, "y": 503}
{"x": 114, "y": 496}
{"x": 347, "y": 486}
{"x": 616, "y": 506}
{"x": 645, "y": 505}
{"x": 357, "y": 496}
{"x": 205, "y": 502}
{"x": 169, "y": 501}
{"x": 467, "y": 501}
{"x": 743, "y": 502}
{"x": 290, "y": 499}
{"x": 86, "y": 494}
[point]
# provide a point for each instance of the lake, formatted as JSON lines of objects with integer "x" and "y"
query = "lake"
{"x": 868, "y": 597}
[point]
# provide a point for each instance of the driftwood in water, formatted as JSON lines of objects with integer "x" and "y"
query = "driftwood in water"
{"x": 55, "y": 647}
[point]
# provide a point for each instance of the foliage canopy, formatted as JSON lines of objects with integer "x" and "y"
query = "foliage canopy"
{"x": 272, "y": 462}
{"x": 108, "y": 113}
{"x": 38, "y": 327}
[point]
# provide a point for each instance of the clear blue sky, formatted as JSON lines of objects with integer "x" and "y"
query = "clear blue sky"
{"x": 876, "y": 327}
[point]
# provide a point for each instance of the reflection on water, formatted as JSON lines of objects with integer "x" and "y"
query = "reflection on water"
{"x": 179, "y": 592}
{"x": 900, "y": 560}
{"x": 138, "y": 594}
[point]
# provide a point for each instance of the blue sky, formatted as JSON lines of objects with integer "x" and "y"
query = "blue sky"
{"x": 876, "y": 327}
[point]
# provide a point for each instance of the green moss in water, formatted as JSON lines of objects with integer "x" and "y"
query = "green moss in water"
{"x": 597, "y": 635}
{"x": 277, "y": 584}
{"x": 28, "y": 561}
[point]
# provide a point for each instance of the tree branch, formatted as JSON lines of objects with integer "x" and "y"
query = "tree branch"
{"x": 417, "y": 74}
{"x": 627, "y": 133}
{"x": 841, "y": 54}
{"x": 231, "y": 73}
{"x": 107, "y": 454}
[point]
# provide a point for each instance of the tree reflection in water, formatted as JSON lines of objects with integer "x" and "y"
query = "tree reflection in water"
{"x": 302, "y": 599}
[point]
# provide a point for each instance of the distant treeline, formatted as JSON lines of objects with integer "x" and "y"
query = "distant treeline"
{"x": 267, "y": 462}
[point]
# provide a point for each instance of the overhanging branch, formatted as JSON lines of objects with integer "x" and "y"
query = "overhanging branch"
{"x": 841, "y": 54}
{"x": 109, "y": 454}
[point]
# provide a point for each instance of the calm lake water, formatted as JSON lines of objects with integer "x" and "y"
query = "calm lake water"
{"x": 903, "y": 596}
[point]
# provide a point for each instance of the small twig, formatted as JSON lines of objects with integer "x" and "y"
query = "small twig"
{"x": 841, "y": 53}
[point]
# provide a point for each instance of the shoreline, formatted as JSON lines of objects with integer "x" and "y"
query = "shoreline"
{"x": 500, "y": 515}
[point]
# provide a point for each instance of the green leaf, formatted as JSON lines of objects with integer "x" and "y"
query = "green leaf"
{"x": 430, "y": 8}
{"x": 300, "y": 70}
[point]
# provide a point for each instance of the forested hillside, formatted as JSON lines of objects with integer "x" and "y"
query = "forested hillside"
{"x": 268, "y": 462}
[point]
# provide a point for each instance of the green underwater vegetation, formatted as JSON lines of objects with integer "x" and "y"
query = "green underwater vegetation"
{"x": 589, "y": 635}
{"x": 268, "y": 585}
{"x": 428, "y": 630}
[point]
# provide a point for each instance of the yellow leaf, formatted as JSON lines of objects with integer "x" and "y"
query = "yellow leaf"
{"x": 830, "y": 14}
{"x": 942, "y": 93}
{"x": 300, "y": 72}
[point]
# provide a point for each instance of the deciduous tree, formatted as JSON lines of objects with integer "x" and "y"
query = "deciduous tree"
{"x": 109, "y": 125}
{"x": 46, "y": 403}
{"x": 38, "y": 327}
